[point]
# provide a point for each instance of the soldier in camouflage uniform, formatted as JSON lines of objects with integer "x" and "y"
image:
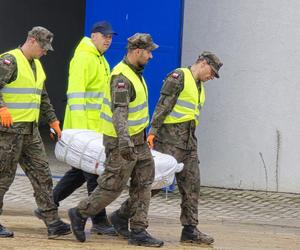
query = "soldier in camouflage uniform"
{"x": 125, "y": 109}
{"x": 173, "y": 132}
{"x": 22, "y": 97}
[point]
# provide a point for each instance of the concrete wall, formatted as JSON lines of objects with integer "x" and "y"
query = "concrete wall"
{"x": 249, "y": 132}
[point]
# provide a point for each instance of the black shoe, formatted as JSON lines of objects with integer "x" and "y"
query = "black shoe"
{"x": 57, "y": 229}
{"x": 191, "y": 234}
{"x": 5, "y": 233}
{"x": 77, "y": 224}
{"x": 143, "y": 238}
{"x": 104, "y": 228}
{"x": 120, "y": 225}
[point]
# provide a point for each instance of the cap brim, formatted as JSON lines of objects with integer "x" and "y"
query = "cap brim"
{"x": 216, "y": 72}
{"x": 48, "y": 47}
{"x": 153, "y": 46}
{"x": 109, "y": 32}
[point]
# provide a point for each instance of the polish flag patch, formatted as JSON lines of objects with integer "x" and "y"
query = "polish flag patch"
{"x": 175, "y": 75}
{"x": 7, "y": 62}
{"x": 121, "y": 85}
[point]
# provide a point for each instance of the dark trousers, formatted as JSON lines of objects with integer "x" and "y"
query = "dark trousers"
{"x": 73, "y": 179}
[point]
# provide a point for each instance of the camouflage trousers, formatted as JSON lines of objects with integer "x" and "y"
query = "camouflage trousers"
{"x": 188, "y": 181}
{"x": 113, "y": 180}
{"x": 29, "y": 152}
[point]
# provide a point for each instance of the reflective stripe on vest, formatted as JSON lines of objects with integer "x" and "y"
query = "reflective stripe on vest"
{"x": 23, "y": 96}
{"x": 138, "y": 116}
{"x": 85, "y": 95}
{"x": 87, "y": 105}
{"x": 189, "y": 103}
{"x": 130, "y": 122}
{"x": 23, "y": 105}
{"x": 22, "y": 91}
{"x": 130, "y": 109}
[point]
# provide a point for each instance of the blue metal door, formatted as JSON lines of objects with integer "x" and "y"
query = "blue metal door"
{"x": 161, "y": 18}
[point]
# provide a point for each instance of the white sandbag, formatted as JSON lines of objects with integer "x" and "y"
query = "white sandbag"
{"x": 165, "y": 168}
{"x": 84, "y": 149}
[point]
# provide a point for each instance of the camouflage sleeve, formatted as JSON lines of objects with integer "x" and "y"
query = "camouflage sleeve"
{"x": 46, "y": 108}
{"x": 8, "y": 69}
{"x": 172, "y": 86}
{"x": 121, "y": 95}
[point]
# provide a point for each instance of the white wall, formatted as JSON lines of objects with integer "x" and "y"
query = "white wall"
{"x": 253, "y": 108}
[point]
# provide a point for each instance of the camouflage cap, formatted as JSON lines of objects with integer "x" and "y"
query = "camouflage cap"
{"x": 212, "y": 60}
{"x": 141, "y": 41}
{"x": 43, "y": 36}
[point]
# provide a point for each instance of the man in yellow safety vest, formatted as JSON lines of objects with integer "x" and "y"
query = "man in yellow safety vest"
{"x": 124, "y": 118}
{"x": 173, "y": 132}
{"x": 23, "y": 97}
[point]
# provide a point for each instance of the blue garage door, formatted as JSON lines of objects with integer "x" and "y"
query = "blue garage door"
{"x": 161, "y": 18}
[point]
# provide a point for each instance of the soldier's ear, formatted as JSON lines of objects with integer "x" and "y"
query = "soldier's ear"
{"x": 202, "y": 64}
{"x": 138, "y": 51}
{"x": 32, "y": 40}
{"x": 29, "y": 39}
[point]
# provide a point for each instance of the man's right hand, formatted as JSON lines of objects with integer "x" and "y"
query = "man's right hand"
{"x": 150, "y": 140}
{"x": 127, "y": 153}
{"x": 6, "y": 118}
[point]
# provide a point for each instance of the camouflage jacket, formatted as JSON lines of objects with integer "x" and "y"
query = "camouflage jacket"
{"x": 8, "y": 73}
{"x": 182, "y": 135}
{"x": 124, "y": 96}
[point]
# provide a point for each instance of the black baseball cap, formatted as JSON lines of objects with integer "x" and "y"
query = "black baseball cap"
{"x": 104, "y": 28}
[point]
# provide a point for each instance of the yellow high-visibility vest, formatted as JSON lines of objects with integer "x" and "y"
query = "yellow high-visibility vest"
{"x": 138, "y": 116}
{"x": 88, "y": 77}
{"x": 189, "y": 103}
{"x": 23, "y": 96}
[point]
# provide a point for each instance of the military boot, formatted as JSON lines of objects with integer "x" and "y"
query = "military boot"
{"x": 77, "y": 224}
{"x": 38, "y": 213}
{"x": 5, "y": 233}
{"x": 191, "y": 234}
{"x": 57, "y": 229}
{"x": 142, "y": 238}
{"x": 102, "y": 226}
{"x": 120, "y": 224}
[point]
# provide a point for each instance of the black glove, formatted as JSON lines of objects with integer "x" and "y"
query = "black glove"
{"x": 127, "y": 153}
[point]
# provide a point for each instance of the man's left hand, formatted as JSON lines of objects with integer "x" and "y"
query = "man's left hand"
{"x": 150, "y": 140}
{"x": 55, "y": 125}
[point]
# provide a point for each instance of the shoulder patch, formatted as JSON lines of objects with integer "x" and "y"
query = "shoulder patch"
{"x": 121, "y": 85}
{"x": 175, "y": 75}
{"x": 6, "y": 61}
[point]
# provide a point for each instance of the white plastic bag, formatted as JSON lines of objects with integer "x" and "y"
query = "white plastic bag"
{"x": 84, "y": 149}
